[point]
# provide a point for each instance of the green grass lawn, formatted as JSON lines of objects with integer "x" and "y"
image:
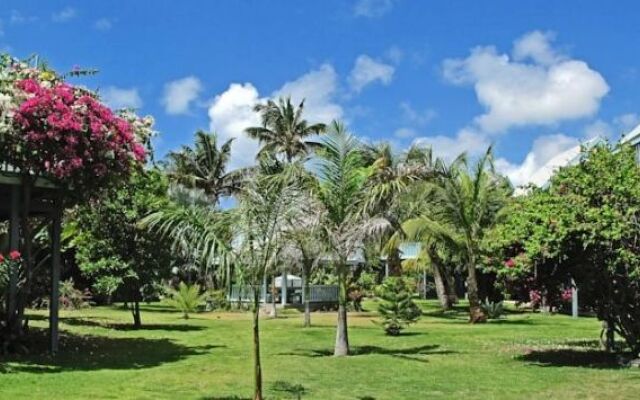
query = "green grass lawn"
{"x": 524, "y": 355}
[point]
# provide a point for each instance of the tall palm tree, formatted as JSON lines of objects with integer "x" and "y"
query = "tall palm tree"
{"x": 458, "y": 209}
{"x": 392, "y": 179}
{"x": 342, "y": 174}
{"x": 284, "y": 131}
{"x": 204, "y": 167}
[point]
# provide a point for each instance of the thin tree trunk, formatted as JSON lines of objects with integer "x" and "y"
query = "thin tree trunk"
{"x": 274, "y": 307}
{"x": 307, "y": 296}
{"x": 476, "y": 314}
{"x": 137, "y": 321}
{"x": 342, "y": 336}
{"x": 441, "y": 287}
{"x": 257, "y": 365}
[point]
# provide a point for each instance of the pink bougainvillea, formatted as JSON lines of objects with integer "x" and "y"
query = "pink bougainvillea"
{"x": 66, "y": 133}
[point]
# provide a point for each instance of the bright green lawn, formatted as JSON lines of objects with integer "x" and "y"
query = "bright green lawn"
{"x": 209, "y": 357}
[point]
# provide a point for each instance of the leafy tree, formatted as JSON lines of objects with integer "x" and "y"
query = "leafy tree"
{"x": 186, "y": 299}
{"x": 396, "y": 308}
{"x": 113, "y": 249}
{"x": 459, "y": 208}
{"x": 584, "y": 227}
{"x": 284, "y": 131}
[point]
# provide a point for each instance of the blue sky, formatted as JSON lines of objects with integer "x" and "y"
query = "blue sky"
{"x": 533, "y": 78}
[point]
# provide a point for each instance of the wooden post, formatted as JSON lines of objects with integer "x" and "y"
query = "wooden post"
{"x": 55, "y": 281}
{"x": 14, "y": 244}
{"x": 574, "y": 299}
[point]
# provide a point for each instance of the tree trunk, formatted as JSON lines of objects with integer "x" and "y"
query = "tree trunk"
{"x": 257, "y": 365}
{"x": 137, "y": 321}
{"x": 342, "y": 337}
{"x": 274, "y": 306}
{"x": 394, "y": 263}
{"x": 441, "y": 287}
{"x": 307, "y": 296}
{"x": 450, "y": 286}
{"x": 476, "y": 314}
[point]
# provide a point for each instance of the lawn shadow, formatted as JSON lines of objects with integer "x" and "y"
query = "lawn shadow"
{"x": 503, "y": 321}
{"x": 596, "y": 359}
{"x": 89, "y": 352}
{"x": 408, "y": 353}
{"x": 224, "y": 398}
{"x": 96, "y": 322}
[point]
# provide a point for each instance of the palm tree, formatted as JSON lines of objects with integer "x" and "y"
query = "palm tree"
{"x": 266, "y": 203}
{"x": 252, "y": 234}
{"x": 392, "y": 179}
{"x": 458, "y": 209}
{"x": 204, "y": 167}
{"x": 342, "y": 174}
{"x": 283, "y": 130}
{"x": 304, "y": 246}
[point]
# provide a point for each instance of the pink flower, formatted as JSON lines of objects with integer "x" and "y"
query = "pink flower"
{"x": 1, "y": 258}
{"x": 510, "y": 263}
{"x": 14, "y": 255}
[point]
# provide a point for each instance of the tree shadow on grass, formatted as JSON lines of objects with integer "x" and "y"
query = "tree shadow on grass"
{"x": 129, "y": 327}
{"x": 225, "y": 398}
{"x": 88, "y": 353}
{"x": 503, "y": 321}
{"x": 596, "y": 359}
{"x": 410, "y": 353}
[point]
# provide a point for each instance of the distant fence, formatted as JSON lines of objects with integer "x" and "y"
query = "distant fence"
{"x": 319, "y": 293}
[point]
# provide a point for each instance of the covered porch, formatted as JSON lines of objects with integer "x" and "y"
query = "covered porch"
{"x": 45, "y": 204}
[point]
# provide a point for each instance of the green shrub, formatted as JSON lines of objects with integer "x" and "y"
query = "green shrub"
{"x": 185, "y": 299}
{"x": 396, "y": 308}
{"x": 493, "y": 310}
{"x": 217, "y": 300}
{"x": 72, "y": 298}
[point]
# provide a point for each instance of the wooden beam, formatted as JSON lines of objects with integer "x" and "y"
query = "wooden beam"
{"x": 55, "y": 282}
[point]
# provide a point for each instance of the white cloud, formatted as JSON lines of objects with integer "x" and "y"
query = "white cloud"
{"x": 598, "y": 128}
{"x": 64, "y": 15}
{"x": 18, "y": 18}
{"x": 405, "y": 133}
{"x": 179, "y": 94}
{"x": 372, "y": 8}
{"x": 538, "y": 86}
{"x": 103, "y": 24}
{"x": 121, "y": 98}
{"x": 231, "y": 112}
{"x": 395, "y": 54}
{"x": 626, "y": 122}
{"x": 547, "y": 154}
{"x": 413, "y": 116}
{"x": 318, "y": 88}
{"x": 465, "y": 141}
{"x": 367, "y": 70}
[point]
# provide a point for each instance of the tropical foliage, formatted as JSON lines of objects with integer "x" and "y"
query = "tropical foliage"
{"x": 186, "y": 298}
{"x": 583, "y": 228}
{"x": 396, "y": 307}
